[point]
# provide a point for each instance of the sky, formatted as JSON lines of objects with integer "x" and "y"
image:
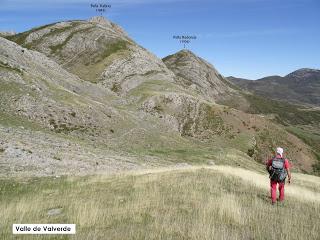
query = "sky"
{"x": 243, "y": 38}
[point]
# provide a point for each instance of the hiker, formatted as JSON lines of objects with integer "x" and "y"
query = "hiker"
{"x": 278, "y": 168}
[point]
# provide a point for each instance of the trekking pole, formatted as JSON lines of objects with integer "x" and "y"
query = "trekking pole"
{"x": 271, "y": 175}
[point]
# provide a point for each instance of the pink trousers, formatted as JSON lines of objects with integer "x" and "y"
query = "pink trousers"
{"x": 273, "y": 186}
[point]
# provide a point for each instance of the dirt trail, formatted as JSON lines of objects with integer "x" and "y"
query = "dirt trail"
{"x": 251, "y": 177}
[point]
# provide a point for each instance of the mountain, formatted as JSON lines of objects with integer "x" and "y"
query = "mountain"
{"x": 79, "y": 97}
{"x": 195, "y": 73}
{"x": 7, "y": 33}
{"x": 96, "y": 50}
{"x": 43, "y": 109}
{"x": 299, "y": 87}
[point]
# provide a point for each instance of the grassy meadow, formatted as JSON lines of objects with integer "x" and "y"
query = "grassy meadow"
{"x": 191, "y": 202}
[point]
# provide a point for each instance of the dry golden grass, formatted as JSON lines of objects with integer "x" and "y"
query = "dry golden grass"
{"x": 303, "y": 187}
{"x": 217, "y": 202}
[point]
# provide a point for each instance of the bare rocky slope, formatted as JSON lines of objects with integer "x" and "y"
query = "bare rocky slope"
{"x": 98, "y": 51}
{"x": 53, "y": 122}
{"x": 195, "y": 73}
{"x": 81, "y": 96}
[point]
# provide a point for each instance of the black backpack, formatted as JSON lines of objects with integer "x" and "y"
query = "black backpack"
{"x": 278, "y": 172}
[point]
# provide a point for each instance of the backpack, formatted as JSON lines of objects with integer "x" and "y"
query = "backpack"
{"x": 278, "y": 172}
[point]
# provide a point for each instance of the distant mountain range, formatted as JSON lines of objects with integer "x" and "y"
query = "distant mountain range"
{"x": 299, "y": 87}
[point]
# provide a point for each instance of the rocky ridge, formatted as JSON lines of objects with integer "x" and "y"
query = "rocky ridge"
{"x": 98, "y": 51}
{"x": 199, "y": 75}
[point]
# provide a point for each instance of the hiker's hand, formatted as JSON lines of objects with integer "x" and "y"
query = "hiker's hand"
{"x": 289, "y": 180}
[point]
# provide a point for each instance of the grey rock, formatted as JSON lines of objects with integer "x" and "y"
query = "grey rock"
{"x": 55, "y": 212}
{"x": 212, "y": 163}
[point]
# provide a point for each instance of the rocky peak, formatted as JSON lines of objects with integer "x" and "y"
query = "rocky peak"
{"x": 98, "y": 51}
{"x": 100, "y": 20}
{"x": 186, "y": 52}
{"x": 196, "y": 73}
{"x": 187, "y": 55}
